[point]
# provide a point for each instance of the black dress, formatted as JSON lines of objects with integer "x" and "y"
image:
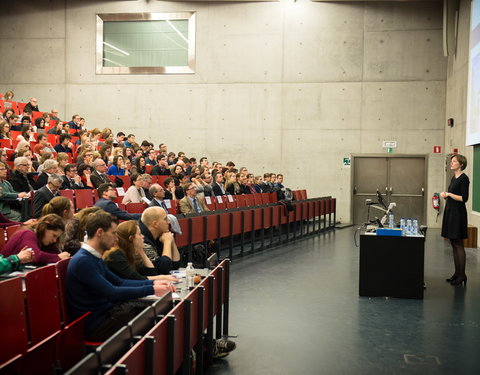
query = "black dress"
{"x": 454, "y": 225}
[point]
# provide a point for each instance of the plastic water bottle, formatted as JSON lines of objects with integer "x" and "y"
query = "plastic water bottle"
{"x": 415, "y": 227}
{"x": 409, "y": 227}
{"x": 391, "y": 221}
{"x": 402, "y": 226}
{"x": 189, "y": 275}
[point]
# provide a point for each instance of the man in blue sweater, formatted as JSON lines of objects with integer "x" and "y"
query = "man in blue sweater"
{"x": 92, "y": 287}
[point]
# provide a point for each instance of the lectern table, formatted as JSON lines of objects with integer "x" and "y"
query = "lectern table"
{"x": 392, "y": 266}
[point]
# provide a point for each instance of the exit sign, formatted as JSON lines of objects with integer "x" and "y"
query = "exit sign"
{"x": 437, "y": 149}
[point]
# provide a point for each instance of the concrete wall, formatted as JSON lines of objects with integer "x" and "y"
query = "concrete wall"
{"x": 287, "y": 86}
{"x": 456, "y": 107}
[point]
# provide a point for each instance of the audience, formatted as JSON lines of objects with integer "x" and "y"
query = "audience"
{"x": 20, "y": 179}
{"x": 65, "y": 144}
{"x": 91, "y": 286}
{"x": 128, "y": 259}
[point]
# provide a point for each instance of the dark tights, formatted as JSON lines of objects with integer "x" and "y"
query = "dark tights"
{"x": 459, "y": 257}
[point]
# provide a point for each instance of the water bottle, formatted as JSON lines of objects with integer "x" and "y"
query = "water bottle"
{"x": 415, "y": 227}
{"x": 189, "y": 275}
{"x": 402, "y": 226}
{"x": 409, "y": 227}
{"x": 391, "y": 221}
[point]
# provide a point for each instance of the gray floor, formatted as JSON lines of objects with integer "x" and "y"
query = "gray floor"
{"x": 296, "y": 310}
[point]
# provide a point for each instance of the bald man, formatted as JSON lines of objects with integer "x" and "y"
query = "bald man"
{"x": 159, "y": 243}
{"x": 31, "y": 106}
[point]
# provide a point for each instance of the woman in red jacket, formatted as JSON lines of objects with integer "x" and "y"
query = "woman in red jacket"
{"x": 43, "y": 240}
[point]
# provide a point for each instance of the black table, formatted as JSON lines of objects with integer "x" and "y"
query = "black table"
{"x": 392, "y": 266}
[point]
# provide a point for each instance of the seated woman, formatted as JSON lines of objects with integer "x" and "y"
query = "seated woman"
{"x": 61, "y": 206}
{"x": 233, "y": 187}
{"x": 171, "y": 190}
{"x": 8, "y": 198}
{"x": 62, "y": 160}
{"x": 135, "y": 192}
{"x": 43, "y": 240}
{"x": 118, "y": 167}
{"x": 4, "y": 130}
{"x": 14, "y": 262}
{"x": 140, "y": 164}
{"x": 75, "y": 229}
{"x": 121, "y": 259}
{"x": 85, "y": 172}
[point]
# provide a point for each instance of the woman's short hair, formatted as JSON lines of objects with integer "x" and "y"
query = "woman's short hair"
{"x": 50, "y": 164}
{"x": 61, "y": 156}
{"x": 57, "y": 205}
{"x": 461, "y": 159}
{"x": 50, "y": 222}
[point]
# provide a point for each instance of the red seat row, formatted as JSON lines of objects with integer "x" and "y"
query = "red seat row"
{"x": 38, "y": 332}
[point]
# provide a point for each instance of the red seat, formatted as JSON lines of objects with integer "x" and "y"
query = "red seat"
{"x": 148, "y": 168}
{"x": 220, "y": 202}
{"x": 69, "y": 193}
{"x": 136, "y": 208}
{"x": 210, "y": 203}
{"x": 52, "y": 138}
{"x": 11, "y": 230}
{"x": 5, "y": 143}
{"x": 36, "y": 115}
{"x": 14, "y": 331}
{"x": 21, "y": 107}
{"x": 42, "y": 303}
{"x": 12, "y": 105}
{"x": 83, "y": 198}
{"x": 126, "y": 181}
{"x": 249, "y": 200}
{"x": 241, "y": 200}
{"x": 230, "y": 201}
{"x": 257, "y": 198}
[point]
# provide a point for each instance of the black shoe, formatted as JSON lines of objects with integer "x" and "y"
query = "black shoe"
{"x": 221, "y": 348}
{"x": 451, "y": 278}
{"x": 459, "y": 281}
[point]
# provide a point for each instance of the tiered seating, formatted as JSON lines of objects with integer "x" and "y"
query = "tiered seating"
{"x": 49, "y": 340}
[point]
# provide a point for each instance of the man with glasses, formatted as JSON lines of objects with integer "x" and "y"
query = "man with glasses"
{"x": 75, "y": 123}
{"x": 31, "y": 106}
{"x": 190, "y": 204}
{"x": 72, "y": 180}
{"x": 54, "y": 115}
{"x": 151, "y": 158}
{"x": 99, "y": 176}
{"x": 45, "y": 194}
{"x": 161, "y": 169}
{"x": 20, "y": 179}
{"x": 107, "y": 194}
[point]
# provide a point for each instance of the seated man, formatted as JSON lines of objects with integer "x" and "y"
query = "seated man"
{"x": 158, "y": 194}
{"x": 50, "y": 167}
{"x": 46, "y": 193}
{"x": 161, "y": 169}
{"x": 43, "y": 145}
{"x": 71, "y": 180}
{"x": 217, "y": 186}
{"x": 19, "y": 178}
{"x": 65, "y": 145}
{"x": 190, "y": 204}
{"x": 92, "y": 287}
{"x": 159, "y": 243}
{"x": 98, "y": 176}
{"x": 75, "y": 123}
{"x": 107, "y": 194}
{"x": 151, "y": 158}
{"x": 265, "y": 185}
{"x": 31, "y": 106}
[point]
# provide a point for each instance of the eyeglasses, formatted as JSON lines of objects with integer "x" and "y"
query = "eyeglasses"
{"x": 23, "y": 165}
{"x": 3, "y": 169}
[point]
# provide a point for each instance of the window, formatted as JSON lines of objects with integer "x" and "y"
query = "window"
{"x": 145, "y": 43}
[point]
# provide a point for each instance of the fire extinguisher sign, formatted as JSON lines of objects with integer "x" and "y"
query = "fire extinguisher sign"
{"x": 437, "y": 149}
